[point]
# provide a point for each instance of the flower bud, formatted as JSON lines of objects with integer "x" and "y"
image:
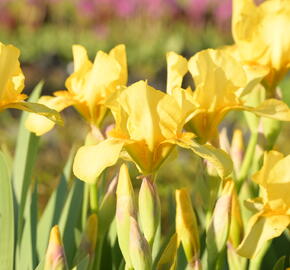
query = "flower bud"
{"x": 237, "y": 149}
{"x": 186, "y": 225}
{"x": 108, "y": 207}
{"x": 218, "y": 231}
{"x": 236, "y": 227}
{"x": 139, "y": 248}
{"x": 125, "y": 208}
{"x": 55, "y": 256}
{"x": 149, "y": 209}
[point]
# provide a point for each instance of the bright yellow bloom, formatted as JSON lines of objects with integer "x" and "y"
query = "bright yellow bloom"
{"x": 149, "y": 123}
{"x": 273, "y": 207}
{"x": 12, "y": 84}
{"x": 260, "y": 37}
{"x": 222, "y": 85}
{"x": 88, "y": 87}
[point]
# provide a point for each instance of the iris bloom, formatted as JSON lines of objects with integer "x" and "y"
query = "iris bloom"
{"x": 259, "y": 34}
{"x": 149, "y": 123}
{"x": 89, "y": 87}
{"x": 12, "y": 84}
{"x": 272, "y": 208}
{"x": 222, "y": 85}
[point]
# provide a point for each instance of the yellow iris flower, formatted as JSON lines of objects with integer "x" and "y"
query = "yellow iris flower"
{"x": 89, "y": 87}
{"x": 12, "y": 84}
{"x": 149, "y": 123}
{"x": 221, "y": 85}
{"x": 273, "y": 207}
{"x": 260, "y": 37}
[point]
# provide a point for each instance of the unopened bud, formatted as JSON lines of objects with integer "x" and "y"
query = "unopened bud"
{"x": 236, "y": 227}
{"x": 237, "y": 149}
{"x": 124, "y": 210}
{"x": 186, "y": 225}
{"x": 108, "y": 207}
{"x": 149, "y": 208}
{"x": 218, "y": 231}
{"x": 55, "y": 256}
{"x": 139, "y": 248}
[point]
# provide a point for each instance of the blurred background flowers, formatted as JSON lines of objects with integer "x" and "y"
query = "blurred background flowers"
{"x": 44, "y": 31}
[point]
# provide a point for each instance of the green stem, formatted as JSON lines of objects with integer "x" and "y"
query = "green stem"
{"x": 247, "y": 162}
{"x": 85, "y": 205}
{"x": 256, "y": 262}
{"x": 94, "y": 198}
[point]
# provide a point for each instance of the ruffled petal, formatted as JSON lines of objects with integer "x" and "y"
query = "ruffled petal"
{"x": 39, "y": 124}
{"x": 260, "y": 230}
{"x": 91, "y": 160}
{"x": 217, "y": 157}
{"x": 176, "y": 69}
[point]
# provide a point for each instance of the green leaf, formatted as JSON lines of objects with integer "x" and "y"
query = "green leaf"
{"x": 54, "y": 207}
{"x": 27, "y": 256}
{"x": 6, "y": 216}
{"x": 70, "y": 218}
{"x": 280, "y": 264}
{"x": 83, "y": 265}
{"x": 51, "y": 216}
{"x": 24, "y": 160}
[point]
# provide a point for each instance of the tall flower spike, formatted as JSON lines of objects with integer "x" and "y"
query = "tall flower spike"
{"x": 89, "y": 87}
{"x": 273, "y": 207}
{"x": 12, "y": 84}
{"x": 222, "y": 85}
{"x": 149, "y": 123}
{"x": 259, "y": 35}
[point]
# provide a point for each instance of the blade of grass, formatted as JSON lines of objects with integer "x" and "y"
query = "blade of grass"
{"x": 27, "y": 251}
{"x": 6, "y": 216}
{"x": 50, "y": 216}
{"x": 54, "y": 207}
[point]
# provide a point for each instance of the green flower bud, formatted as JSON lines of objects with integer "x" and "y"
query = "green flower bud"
{"x": 139, "y": 248}
{"x": 55, "y": 256}
{"x": 149, "y": 209}
{"x": 124, "y": 210}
